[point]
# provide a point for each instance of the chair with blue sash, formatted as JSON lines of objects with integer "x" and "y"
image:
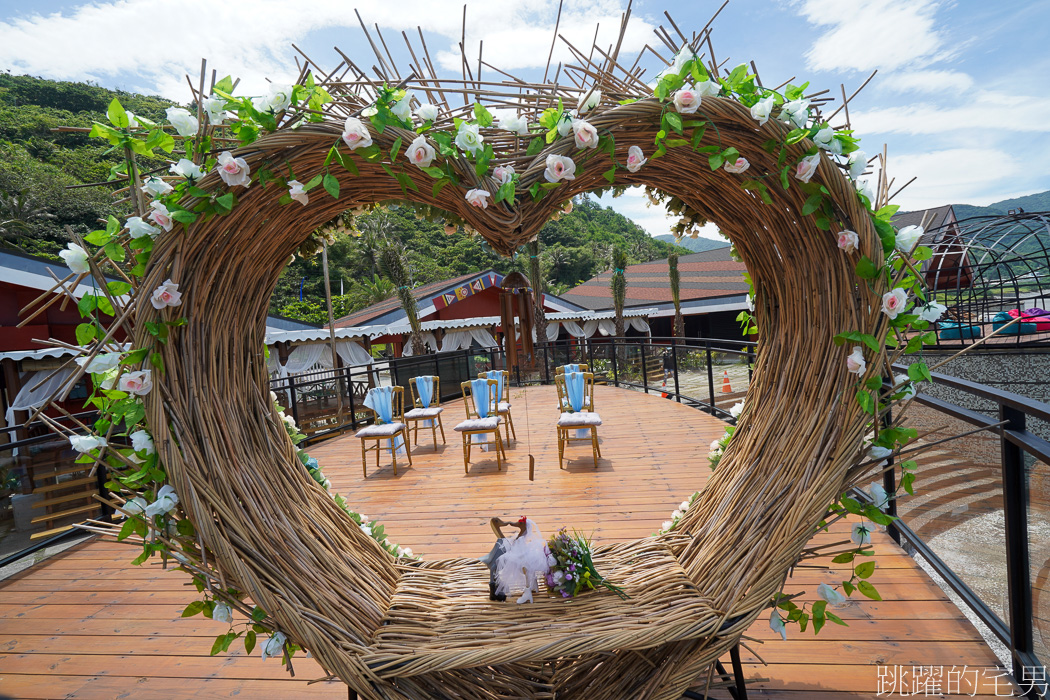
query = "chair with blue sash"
{"x": 388, "y": 403}
{"x": 501, "y": 399}
{"x": 477, "y": 399}
{"x": 578, "y": 422}
{"x": 563, "y": 402}
{"x": 426, "y": 407}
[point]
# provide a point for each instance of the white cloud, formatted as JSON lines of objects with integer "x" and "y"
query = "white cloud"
{"x": 996, "y": 111}
{"x": 118, "y": 40}
{"x": 868, "y": 34}
{"x": 927, "y": 81}
{"x": 957, "y": 175}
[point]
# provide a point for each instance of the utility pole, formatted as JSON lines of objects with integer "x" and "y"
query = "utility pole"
{"x": 331, "y": 332}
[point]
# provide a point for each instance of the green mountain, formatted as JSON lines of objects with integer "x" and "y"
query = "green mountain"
{"x": 43, "y": 173}
{"x": 1031, "y": 202}
{"x": 694, "y": 245}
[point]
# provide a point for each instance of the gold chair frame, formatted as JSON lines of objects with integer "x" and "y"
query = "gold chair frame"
{"x": 435, "y": 402}
{"x": 565, "y": 435}
{"x": 560, "y": 369}
{"x": 397, "y": 415}
{"x": 468, "y": 399}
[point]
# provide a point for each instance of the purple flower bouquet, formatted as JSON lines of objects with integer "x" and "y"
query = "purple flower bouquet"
{"x": 571, "y": 569}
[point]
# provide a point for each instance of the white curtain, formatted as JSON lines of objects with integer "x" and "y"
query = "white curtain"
{"x": 575, "y": 331}
{"x": 352, "y": 353}
{"x": 37, "y": 389}
{"x": 606, "y": 326}
{"x": 639, "y": 324}
{"x": 553, "y": 329}
{"x": 428, "y": 340}
{"x": 483, "y": 337}
{"x": 455, "y": 340}
{"x": 303, "y": 357}
{"x": 273, "y": 363}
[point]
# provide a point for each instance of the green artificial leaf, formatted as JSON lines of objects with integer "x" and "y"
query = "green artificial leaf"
{"x": 834, "y": 618}
{"x": 874, "y": 383}
{"x": 865, "y": 570}
{"x": 394, "y": 149}
{"x": 249, "y": 642}
{"x": 87, "y": 304}
{"x": 715, "y": 161}
{"x": 674, "y": 121}
{"x": 610, "y": 175}
{"x": 258, "y": 614}
{"x": 868, "y": 590}
{"x": 331, "y": 185}
{"x": 919, "y": 372}
{"x": 115, "y": 251}
{"x": 118, "y": 288}
{"x": 184, "y": 216}
{"x": 535, "y": 146}
{"x": 98, "y": 238}
{"x": 86, "y": 332}
{"x": 483, "y": 116}
{"x": 194, "y": 608}
{"x": 141, "y": 559}
{"x": 117, "y": 116}
{"x": 867, "y": 403}
{"x": 866, "y": 269}
{"x": 226, "y": 201}
{"x": 852, "y": 505}
{"x": 813, "y": 203}
{"x": 844, "y": 558}
{"x": 908, "y": 482}
{"x": 848, "y": 588}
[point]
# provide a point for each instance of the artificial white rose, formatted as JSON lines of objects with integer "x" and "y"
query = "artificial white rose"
{"x": 762, "y": 109}
{"x": 185, "y": 123}
{"x": 879, "y": 497}
{"x": 289, "y": 421}
{"x": 904, "y": 386}
{"x": 864, "y": 187}
{"x": 355, "y": 134}
{"x": 559, "y": 168}
{"x": 858, "y": 163}
{"x": 796, "y": 112}
{"x": 737, "y": 409}
{"x": 76, "y": 259}
{"x": 276, "y": 100}
{"x": 584, "y": 133}
{"x": 137, "y": 228}
{"x": 478, "y": 198}
{"x": 188, "y": 169}
{"x": 367, "y": 529}
{"x": 160, "y": 215}
{"x": 100, "y": 363}
{"x": 138, "y": 383}
{"x": 222, "y": 613}
{"x": 830, "y": 595}
{"x": 825, "y": 138}
{"x": 155, "y": 187}
{"x": 715, "y": 446}
{"x": 565, "y": 124}
{"x": 233, "y": 171}
{"x": 589, "y": 101}
{"x": 469, "y": 138}
{"x": 406, "y": 552}
{"x": 931, "y": 312}
{"x": 848, "y": 241}
{"x": 515, "y": 123}
{"x": 684, "y": 506}
{"x": 855, "y": 362}
{"x": 708, "y": 88}
{"x": 635, "y": 159}
{"x": 296, "y": 192}
{"x": 737, "y": 166}
{"x": 85, "y": 443}
{"x": 274, "y": 646}
{"x": 166, "y": 501}
{"x": 667, "y": 525}
{"x": 860, "y": 534}
{"x": 680, "y": 59}
{"x": 777, "y": 625}
{"x": 676, "y": 514}
{"x": 166, "y": 294}
{"x": 907, "y": 237}
{"x": 503, "y": 174}
{"x": 142, "y": 441}
{"x": 806, "y": 167}
{"x": 215, "y": 108}
{"x": 135, "y": 505}
{"x": 894, "y": 302}
{"x": 751, "y": 303}
{"x": 420, "y": 153}
{"x": 427, "y": 112}
{"x": 876, "y": 452}
{"x": 686, "y": 101}
{"x": 402, "y": 109}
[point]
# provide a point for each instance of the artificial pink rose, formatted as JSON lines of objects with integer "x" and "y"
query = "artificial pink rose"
{"x": 806, "y": 167}
{"x": 686, "y": 101}
{"x": 894, "y": 302}
{"x": 420, "y": 153}
{"x": 585, "y": 134}
{"x": 559, "y": 168}
{"x": 138, "y": 383}
{"x": 855, "y": 362}
{"x": 635, "y": 159}
{"x": 355, "y": 134}
{"x": 737, "y": 166}
{"x": 167, "y": 294}
{"x": 849, "y": 241}
{"x": 478, "y": 198}
{"x": 160, "y": 215}
{"x": 503, "y": 174}
{"x": 233, "y": 171}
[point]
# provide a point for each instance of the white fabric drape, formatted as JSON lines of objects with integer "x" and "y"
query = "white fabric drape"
{"x": 639, "y": 324}
{"x": 37, "y": 389}
{"x": 483, "y": 337}
{"x": 352, "y": 354}
{"x": 553, "y": 328}
{"x": 589, "y": 328}
{"x": 303, "y": 357}
{"x": 574, "y": 329}
{"x": 273, "y": 363}
{"x": 606, "y": 326}
{"x": 455, "y": 340}
{"x": 428, "y": 340}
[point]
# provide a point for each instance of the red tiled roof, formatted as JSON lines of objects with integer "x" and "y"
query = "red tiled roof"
{"x": 648, "y": 283}
{"x": 362, "y": 317}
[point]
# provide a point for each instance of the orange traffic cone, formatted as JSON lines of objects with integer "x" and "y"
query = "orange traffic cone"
{"x": 726, "y": 388}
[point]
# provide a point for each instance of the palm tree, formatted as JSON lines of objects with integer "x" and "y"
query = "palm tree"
{"x": 536, "y": 280}
{"x": 618, "y": 287}
{"x": 373, "y": 238}
{"x": 394, "y": 261}
{"x": 558, "y": 258}
{"x": 377, "y": 289}
{"x": 18, "y": 212}
{"x": 676, "y": 293}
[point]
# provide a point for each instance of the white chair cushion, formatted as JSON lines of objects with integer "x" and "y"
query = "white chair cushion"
{"x": 581, "y": 419}
{"x": 503, "y": 407}
{"x": 385, "y": 430}
{"x": 487, "y": 423}
{"x": 420, "y": 413}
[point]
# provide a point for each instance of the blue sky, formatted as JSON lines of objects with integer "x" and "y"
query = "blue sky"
{"x": 961, "y": 97}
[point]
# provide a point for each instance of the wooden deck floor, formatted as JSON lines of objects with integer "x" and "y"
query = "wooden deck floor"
{"x": 87, "y": 624}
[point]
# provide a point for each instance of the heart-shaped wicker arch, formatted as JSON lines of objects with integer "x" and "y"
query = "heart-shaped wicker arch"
{"x": 392, "y": 631}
